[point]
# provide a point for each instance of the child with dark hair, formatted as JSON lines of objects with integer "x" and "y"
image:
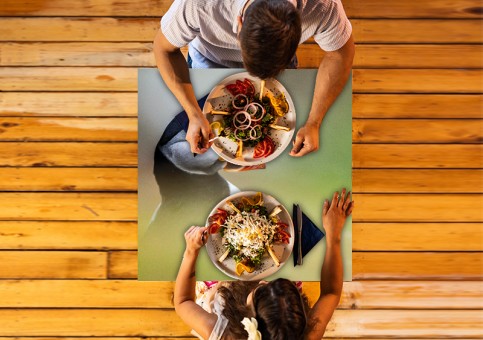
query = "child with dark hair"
{"x": 263, "y": 310}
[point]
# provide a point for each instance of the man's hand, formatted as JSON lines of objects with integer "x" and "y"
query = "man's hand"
{"x": 306, "y": 141}
{"x": 335, "y": 213}
{"x": 199, "y": 133}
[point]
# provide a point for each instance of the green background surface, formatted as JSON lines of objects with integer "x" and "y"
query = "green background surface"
{"x": 306, "y": 181}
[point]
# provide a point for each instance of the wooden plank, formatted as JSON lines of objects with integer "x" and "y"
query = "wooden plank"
{"x": 417, "y": 181}
{"x": 400, "y": 56}
{"x": 419, "y": 266}
{"x": 416, "y": 131}
{"x": 62, "y": 235}
{"x": 69, "y": 129}
{"x": 79, "y": 29}
{"x": 125, "y": 79}
{"x": 150, "y": 294}
{"x": 41, "y": 154}
{"x": 354, "y": 8}
{"x": 416, "y": 106}
{"x": 142, "y": 322}
{"x": 414, "y": 31}
{"x": 52, "y": 265}
{"x": 310, "y": 54}
{"x": 68, "y": 206}
{"x": 77, "y": 54}
{"x": 417, "y": 236}
{"x": 68, "y": 179}
{"x": 123, "y": 265}
{"x": 410, "y": 31}
{"x": 58, "y": 104}
{"x": 84, "y": 8}
{"x": 416, "y": 156}
{"x": 366, "y": 265}
{"x": 413, "y": 9}
{"x": 68, "y": 79}
{"x": 417, "y": 81}
{"x": 417, "y": 208}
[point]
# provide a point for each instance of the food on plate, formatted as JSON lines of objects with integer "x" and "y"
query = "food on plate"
{"x": 250, "y": 117}
{"x": 248, "y": 230}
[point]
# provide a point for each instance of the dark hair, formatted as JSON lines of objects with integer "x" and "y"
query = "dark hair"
{"x": 269, "y": 37}
{"x": 235, "y": 309}
{"x": 281, "y": 310}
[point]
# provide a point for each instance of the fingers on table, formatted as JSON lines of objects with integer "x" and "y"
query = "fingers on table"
{"x": 325, "y": 208}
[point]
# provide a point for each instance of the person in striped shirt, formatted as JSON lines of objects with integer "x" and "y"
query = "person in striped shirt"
{"x": 261, "y": 36}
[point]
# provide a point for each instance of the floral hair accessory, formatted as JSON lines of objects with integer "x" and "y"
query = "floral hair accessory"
{"x": 251, "y": 326}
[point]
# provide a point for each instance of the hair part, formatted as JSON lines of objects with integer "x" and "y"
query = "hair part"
{"x": 269, "y": 37}
{"x": 281, "y": 311}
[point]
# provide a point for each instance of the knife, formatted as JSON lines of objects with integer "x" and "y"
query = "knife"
{"x": 299, "y": 224}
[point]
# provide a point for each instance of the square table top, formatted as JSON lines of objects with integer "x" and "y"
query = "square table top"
{"x": 307, "y": 181}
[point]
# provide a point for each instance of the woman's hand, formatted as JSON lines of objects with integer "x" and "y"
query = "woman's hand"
{"x": 196, "y": 238}
{"x": 335, "y": 213}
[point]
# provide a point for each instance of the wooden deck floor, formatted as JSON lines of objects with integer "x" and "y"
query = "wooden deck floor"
{"x": 68, "y": 178}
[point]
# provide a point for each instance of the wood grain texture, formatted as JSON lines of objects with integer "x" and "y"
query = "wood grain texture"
{"x": 125, "y": 79}
{"x": 425, "y": 131}
{"x": 148, "y": 294}
{"x": 417, "y": 181}
{"x": 40, "y": 154}
{"x": 401, "y": 56}
{"x": 366, "y": 265}
{"x": 68, "y": 79}
{"x": 123, "y": 265}
{"x": 416, "y": 266}
{"x": 105, "y": 104}
{"x": 69, "y": 129}
{"x": 416, "y": 106}
{"x": 142, "y": 30}
{"x": 60, "y": 235}
{"x": 146, "y": 322}
{"x": 413, "y": 9}
{"x": 310, "y": 55}
{"x": 417, "y": 236}
{"x": 69, "y": 206}
{"x": 417, "y": 81}
{"x": 68, "y": 179}
{"x": 416, "y": 156}
{"x": 418, "y": 208}
{"x": 412, "y": 31}
{"x": 52, "y": 265}
{"x": 354, "y": 8}
{"x": 58, "y": 104}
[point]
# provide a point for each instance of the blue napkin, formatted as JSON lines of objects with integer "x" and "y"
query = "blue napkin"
{"x": 311, "y": 235}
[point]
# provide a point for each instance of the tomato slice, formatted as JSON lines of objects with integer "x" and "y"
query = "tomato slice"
{"x": 233, "y": 89}
{"x": 213, "y": 228}
{"x": 250, "y": 87}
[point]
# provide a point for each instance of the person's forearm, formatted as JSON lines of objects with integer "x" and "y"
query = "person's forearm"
{"x": 186, "y": 280}
{"x": 173, "y": 68}
{"x": 332, "y": 75}
{"x": 332, "y": 270}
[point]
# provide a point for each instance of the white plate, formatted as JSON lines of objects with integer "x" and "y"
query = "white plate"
{"x": 219, "y": 99}
{"x": 215, "y": 248}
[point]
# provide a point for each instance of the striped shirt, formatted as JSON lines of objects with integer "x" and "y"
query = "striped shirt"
{"x": 210, "y": 28}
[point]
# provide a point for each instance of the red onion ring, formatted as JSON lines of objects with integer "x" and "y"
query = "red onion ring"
{"x": 236, "y": 97}
{"x": 240, "y": 122}
{"x": 242, "y": 139}
{"x": 252, "y": 110}
{"x": 253, "y": 132}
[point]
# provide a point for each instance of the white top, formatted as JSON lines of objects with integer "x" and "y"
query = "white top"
{"x": 210, "y": 27}
{"x": 212, "y": 302}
